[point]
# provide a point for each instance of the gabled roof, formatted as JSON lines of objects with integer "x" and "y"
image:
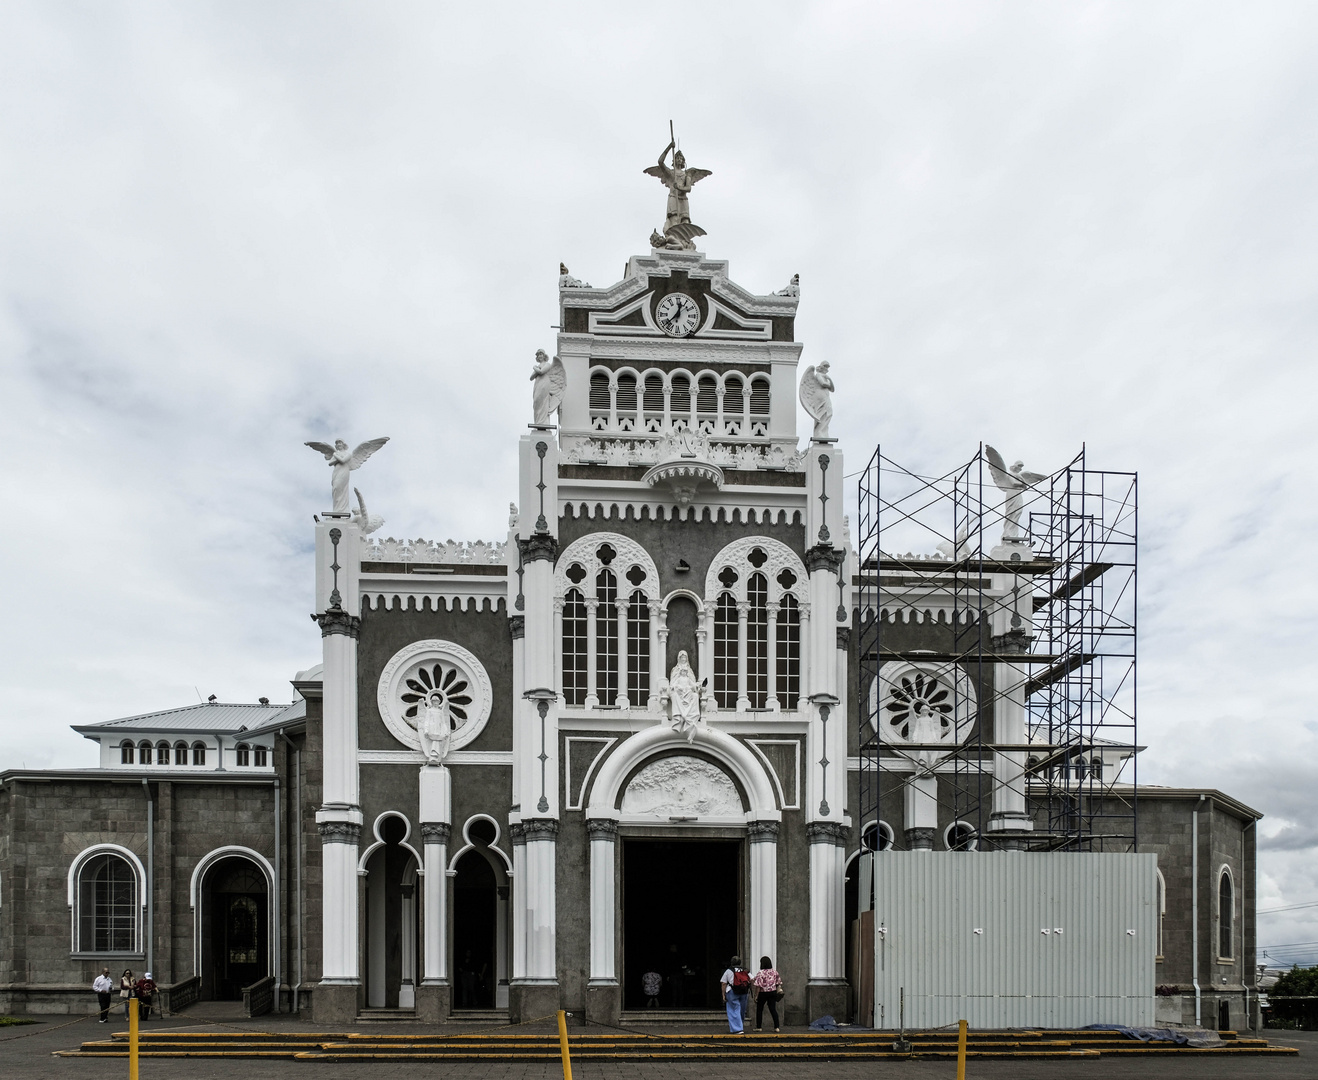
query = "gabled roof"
{"x": 208, "y": 717}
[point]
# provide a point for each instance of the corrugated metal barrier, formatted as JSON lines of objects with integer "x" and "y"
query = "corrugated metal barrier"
{"x": 1014, "y": 939}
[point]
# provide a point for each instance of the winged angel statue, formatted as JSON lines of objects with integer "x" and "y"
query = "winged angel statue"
{"x": 550, "y": 381}
{"x": 816, "y": 395}
{"x": 679, "y": 234}
{"x": 343, "y": 462}
{"x": 1015, "y": 482}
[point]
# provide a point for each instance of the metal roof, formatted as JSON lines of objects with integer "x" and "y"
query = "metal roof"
{"x": 211, "y": 717}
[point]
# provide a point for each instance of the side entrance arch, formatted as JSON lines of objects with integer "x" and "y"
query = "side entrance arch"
{"x": 234, "y": 927}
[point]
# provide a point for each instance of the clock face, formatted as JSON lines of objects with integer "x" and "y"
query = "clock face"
{"x": 677, "y": 314}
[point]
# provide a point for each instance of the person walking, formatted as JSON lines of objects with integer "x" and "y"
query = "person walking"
{"x": 126, "y": 986}
{"x": 103, "y": 988}
{"x": 736, "y": 986}
{"x": 146, "y": 987}
{"x": 768, "y": 990}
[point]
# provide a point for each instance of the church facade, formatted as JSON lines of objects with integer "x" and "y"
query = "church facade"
{"x": 526, "y": 773}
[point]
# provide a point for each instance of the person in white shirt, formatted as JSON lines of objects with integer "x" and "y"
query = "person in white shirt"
{"x": 102, "y": 987}
{"x": 735, "y": 983}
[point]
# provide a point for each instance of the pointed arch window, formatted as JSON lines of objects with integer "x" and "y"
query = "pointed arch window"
{"x": 1226, "y": 909}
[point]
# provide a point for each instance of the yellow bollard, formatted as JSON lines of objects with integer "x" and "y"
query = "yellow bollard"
{"x": 132, "y": 1038}
{"x": 960, "y": 1050}
{"x": 562, "y": 1046}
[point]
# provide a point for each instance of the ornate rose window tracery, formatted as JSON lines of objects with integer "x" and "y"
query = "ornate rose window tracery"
{"x": 437, "y": 680}
{"x": 426, "y": 669}
{"x": 922, "y": 704}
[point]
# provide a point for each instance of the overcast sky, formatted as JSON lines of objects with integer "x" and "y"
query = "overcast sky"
{"x": 229, "y": 228}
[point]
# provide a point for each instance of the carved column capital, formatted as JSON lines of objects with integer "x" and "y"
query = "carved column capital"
{"x": 537, "y": 546}
{"x": 844, "y": 637}
{"x": 338, "y": 621}
{"x": 540, "y": 829}
{"x": 823, "y": 557}
{"x": 435, "y": 832}
{"x": 517, "y": 626}
{"x": 827, "y": 832}
{"x": 516, "y": 833}
{"x": 339, "y": 832}
{"x": 602, "y": 828}
{"x": 762, "y": 832}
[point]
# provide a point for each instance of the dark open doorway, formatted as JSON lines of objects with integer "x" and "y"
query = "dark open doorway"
{"x": 475, "y": 933}
{"x": 681, "y": 903}
{"x": 391, "y": 922}
{"x": 235, "y": 928}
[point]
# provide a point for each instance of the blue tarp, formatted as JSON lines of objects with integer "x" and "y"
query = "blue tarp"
{"x": 1179, "y": 1036}
{"x": 824, "y": 1023}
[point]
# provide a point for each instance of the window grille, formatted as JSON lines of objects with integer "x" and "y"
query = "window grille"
{"x": 725, "y": 652}
{"x": 574, "y": 648}
{"x": 606, "y": 637}
{"x": 757, "y": 642}
{"x": 243, "y": 755}
{"x": 638, "y": 649}
{"x": 199, "y": 753}
{"x": 126, "y": 753}
{"x": 107, "y": 905}
{"x": 789, "y": 653}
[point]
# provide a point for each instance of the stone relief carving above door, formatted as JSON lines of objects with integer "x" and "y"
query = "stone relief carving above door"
{"x": 682, "y": 787}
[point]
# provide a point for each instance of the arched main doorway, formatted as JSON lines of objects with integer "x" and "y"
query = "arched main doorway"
{"x": 391, "y": 920}
{"x": 480, "y": 921}
{"x": 235, "y": 928}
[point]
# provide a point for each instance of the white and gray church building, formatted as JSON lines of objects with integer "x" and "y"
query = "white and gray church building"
{"x": 520, "y": 774}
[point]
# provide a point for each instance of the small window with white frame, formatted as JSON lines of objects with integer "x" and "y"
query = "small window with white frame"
{"x": 961, "y": 836}
{"x": 242, "y": 755}
{"x": 127, "y": 752}
{"x": 259, "y": 756}
{"x": 877, "y": 836}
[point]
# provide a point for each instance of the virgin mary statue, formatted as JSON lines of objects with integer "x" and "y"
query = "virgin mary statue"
{"x": 683, "y": 694}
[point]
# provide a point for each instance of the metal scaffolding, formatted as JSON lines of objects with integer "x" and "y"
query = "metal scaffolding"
{"x": 997, "y": 640}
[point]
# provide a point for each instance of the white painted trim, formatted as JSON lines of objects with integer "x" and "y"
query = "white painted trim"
{"x": 75, "y": 867}
{"x": 271, "y": 898}
{"x": 415, "y": 757}
{"x": 380, "y": 842}
{"x": 755, "y": 745}
{"x": 470, "y": 846}
{"x": 577, "y": 803}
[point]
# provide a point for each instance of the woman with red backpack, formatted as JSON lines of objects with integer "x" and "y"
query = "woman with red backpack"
{"x": 736, "y": 986}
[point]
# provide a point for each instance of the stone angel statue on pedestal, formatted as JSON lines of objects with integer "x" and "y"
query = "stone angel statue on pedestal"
{"x": 434, "y": 727}
{"x": 679, "y": 234}
{"x": 550, "y": 380}
{"x": 817, "y": 398}
{"x": 683, "y": 693}
{"x": 1015, "y": 482}
{"x": 344, "y": 461}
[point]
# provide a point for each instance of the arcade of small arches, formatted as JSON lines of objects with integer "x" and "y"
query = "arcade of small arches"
{"x": 181, "y": 753}
{"x": 653, "y": 401}
{"x": 614, "y": 629}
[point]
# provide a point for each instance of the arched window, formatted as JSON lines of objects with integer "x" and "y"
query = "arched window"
{"x": 789, "y": 652}
{"x": 600, "y": 406}
{"x": 606, "y": 637}
{"x": 144, "y": 753}
{"x": 1162, "y": 909}
{"x": 653, "y": 401}
{"x": 877, "y": 836}
{"x": 961, "y": 836}
{"x": 126, "y": 754}
{"x": 259, "y": 756}
{"x": 706, "y": 404}
{"x": 638, "y": 648}
{"x": 626, "y": 402}
{"x": 574, "y": 647}
{"x": 1226, "y": 909}
{"x": 243, "y": 754}
{"x": 162, "y": 753}
{"x": 757, "y": 664}
{"x": 602, "y": 584}
{"x": 180, "y": 753}
{"x": 725, "y": 652}
{"x": 198, "y": 753}
{"x": 757, "y": 642}
{"x": 679, "y": 402}
{"x": 107, "y": 905}
{"x": 759, "y": 406}
{"x": 734, "y": 405}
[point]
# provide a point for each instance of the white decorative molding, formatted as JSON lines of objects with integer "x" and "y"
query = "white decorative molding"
{"x": 682, "y": 787}
{"x": 404, "y": 669}
{"x": 430, "y": 551}
{"x": 629, "y": 553}
{"x": 795, "y": 744}
{"x": 208, "y": 860}
{"x": 922, "y": 702}
{"x": 379, "y": 842}
{"x": 415, "y": 757}
{"x": 576, "y": 801}
{"x": 779, "y": 557}
{"x": 615, "y": 448}
{"x": 751, "y": 329}
{"x": 381, "y": 592}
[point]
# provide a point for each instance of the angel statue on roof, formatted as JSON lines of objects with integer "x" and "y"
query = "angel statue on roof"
{"x": 1014, "y": 482}
{"x": 343, "y": 462}
{"x": 550, "y": 382}
{"x": 679, "y": 234}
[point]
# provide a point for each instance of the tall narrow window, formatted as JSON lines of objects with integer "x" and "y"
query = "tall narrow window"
{"x": 259, "y": 756}
{"x": 180, "y": 753}
{"x": 638, "y": 649}
{"x": 707, "y": 404}
{"x": 626, "y": 402}
{"x": 789, "y": 653}
{"x": 162, "y": 753}
{"x": 1162, "y": 909}
{"x": 1225, "y": 916}
{"x": 759, "y": 406}
{"x": 107, "y": 905}
{"x": 126, "y": 753}
{"x": 144, "y": 754}
{"x": 574, "y": 648}
{"x": 757, "y": 642}
{"x": 599, "y": 401}
{"x": 679, "y": 403}
{"x": 606, "y": 637}
{"x": 198, "y": 753}
{"x": 653, "y": 401}
{"x": 725, "y": 652}
{"x": 243, "y": 755}
{"x": 734, "y": 404}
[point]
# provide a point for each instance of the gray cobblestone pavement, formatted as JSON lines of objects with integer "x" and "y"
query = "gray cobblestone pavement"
{"x": 28, "y": 1051}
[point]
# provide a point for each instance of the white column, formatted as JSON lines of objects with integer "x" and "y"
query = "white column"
{"x": 1009, "y": 810}
{"x": 705, "y": 643}
{"x": 622, "y": 700}
{"x": 436, "y": 799}
{"x": 407, "y": 991}
{"x": 920, "y": 809}
{"x": 772, "y": 700}
{"x": 827, "y": 900}
{"x": 338, "y": 855}
{"x": 541, "y": 836}
{"x": 658, "y": 651}
{"x": 518, "y": 900}
{"x": 603, "y": 902}
{"x": 743, "y": 610}
{"x": 592, "y": 660}
{"x": 558, "y": 645}
{"x": 763, "y": 837}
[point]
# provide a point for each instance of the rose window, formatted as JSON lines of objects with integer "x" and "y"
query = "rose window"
{"x": 431, "y": 680}
{"x": 916, "y": 694}
{"x": 910, "y": 702}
